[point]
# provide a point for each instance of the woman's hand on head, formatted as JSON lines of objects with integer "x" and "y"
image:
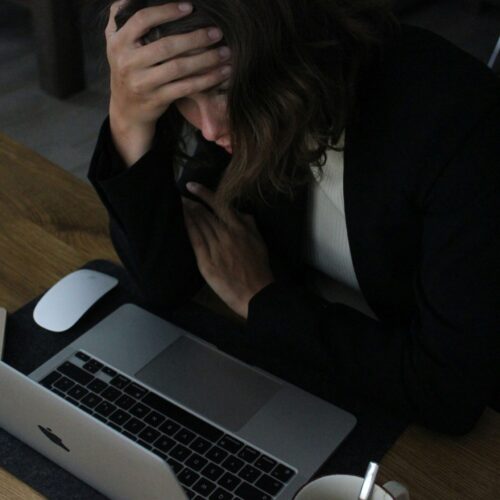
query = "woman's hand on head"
{"x": 231, "y": 255}
{"x": 146, "y": 79}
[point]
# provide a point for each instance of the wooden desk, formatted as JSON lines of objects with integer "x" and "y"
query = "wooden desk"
{"x": 53, "y": 223}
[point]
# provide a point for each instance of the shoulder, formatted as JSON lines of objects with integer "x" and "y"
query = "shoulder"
{"x": 422, "y": 72}
{"x": 423, "y": 96}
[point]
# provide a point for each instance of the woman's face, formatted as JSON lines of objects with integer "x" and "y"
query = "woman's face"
{"x": 207, "y": 112}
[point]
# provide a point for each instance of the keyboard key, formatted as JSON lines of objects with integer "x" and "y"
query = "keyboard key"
{"x": 216, "y": 454}
{"x": 136, "y": 391}
{"x": 269, "y": 484}
{"x": 64, "y": 384}
{"x": 78, "y": 392}
{"x": 229, "y": 481}
{"x": 93, "y": 366}
{"x": 248, "y": 492}
{"x": 75, "y": 373}
{"x": 130, "y": 436}
{"x": 120, "y": 382}
{"x": 111, "y": 394}
{"x": 249, "y": 473}
{"x": 190, "y": 494}
{"x": 232, "y": 464}
{"x": 180, "y": 453}
{"x": 212, "y": 472}
{"x": 105, "y": 408}
{"x": 50, "y": 379}
{"x": 170, "y": 428}
{"x": 184, "y": 436}
{"x": 164, "y": 443}
{"x": 200, "y": 445}
{"x": 97, "y": 385}
{"x": 100, "y": 417}
{"x": 114, "y": 426}
{"x": 144, "y": 444}
{"x": 109, "y": 371}
{"x": 248, "y": 454}
{"x": 72, "y": 401}
{"x": 86, "y": 410}
{"x": 230, "y": 444}
{"x": 119, "y": 417}
{"x": 82, "y": 356}
{"x": 220, "y": 494}
{"x": 265, "y": 464}
{"x": 124, "y": 402}
{"x": 154, "y": 419}
{"x": 149, "y": 434}
{"x": 282, "y": 473}
{"x": 159, "y": 453}
{"x": 196, "y": 462}
{"x": 204, "y": 487}
{"x": 139, "y": 410}
{"x": 178, "y": 414}
{"x": 188, "y": 477}
{"x": 174, "y": 465}
{"x": 91, "y": 400}
{"x": 134, "y": 426}
{"x": 58, "y": 392}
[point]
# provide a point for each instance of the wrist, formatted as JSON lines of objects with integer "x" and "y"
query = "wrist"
{"x": 132, "y": 140}
{"x": 244, "y": 304}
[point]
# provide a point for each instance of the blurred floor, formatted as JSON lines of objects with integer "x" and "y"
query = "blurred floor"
{"x": 65, "y": 131}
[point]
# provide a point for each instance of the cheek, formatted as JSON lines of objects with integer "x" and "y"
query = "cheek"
{"x": 188, "y": 112}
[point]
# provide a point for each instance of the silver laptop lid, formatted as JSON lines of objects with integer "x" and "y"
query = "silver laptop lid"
{"x": 86, "y": 447}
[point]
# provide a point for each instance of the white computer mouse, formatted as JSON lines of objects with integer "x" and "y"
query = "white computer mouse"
{"x": 70, "y": 298}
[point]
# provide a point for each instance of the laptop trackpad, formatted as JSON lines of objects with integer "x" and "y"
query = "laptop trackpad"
{"x": 210, "y": 383}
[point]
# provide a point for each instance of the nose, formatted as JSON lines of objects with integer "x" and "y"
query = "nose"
{"x": 213, "y": 124}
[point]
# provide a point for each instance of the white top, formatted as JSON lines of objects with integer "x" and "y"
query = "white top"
{"x": 327, "y": 245}
{"x": 326, "y": 249}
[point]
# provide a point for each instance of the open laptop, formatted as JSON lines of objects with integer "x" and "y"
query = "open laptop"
{"x": 140, "y": 409}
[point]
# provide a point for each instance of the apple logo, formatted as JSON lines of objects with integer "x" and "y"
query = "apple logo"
{"x": 55, "y": 439}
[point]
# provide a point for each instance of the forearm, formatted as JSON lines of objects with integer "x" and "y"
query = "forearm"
{"x": 132, "y": 141}
{"x": 146, "y": 221}
{"x": 359, "y": 358}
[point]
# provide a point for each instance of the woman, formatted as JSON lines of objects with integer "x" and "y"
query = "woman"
{"x": 338, "y": 141}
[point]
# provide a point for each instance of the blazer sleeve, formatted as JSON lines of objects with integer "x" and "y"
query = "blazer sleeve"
{"x": 443, "y": 367}
{"x": 146, "y": 220}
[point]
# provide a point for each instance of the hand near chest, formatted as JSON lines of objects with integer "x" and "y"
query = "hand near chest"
{"x": 231, "y": 255}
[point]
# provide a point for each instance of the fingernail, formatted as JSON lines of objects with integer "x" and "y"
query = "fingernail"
{"x": 214, "y": 33}
{"x": 184, "y": 6}
{"x": 192, "y": 186}
{"x": 224, "y": 52}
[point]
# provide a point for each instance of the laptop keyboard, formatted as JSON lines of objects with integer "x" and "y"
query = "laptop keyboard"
{"x": 209, "y": 463}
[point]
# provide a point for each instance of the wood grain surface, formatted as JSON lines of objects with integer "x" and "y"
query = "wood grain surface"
{"x": 52, "y": 223}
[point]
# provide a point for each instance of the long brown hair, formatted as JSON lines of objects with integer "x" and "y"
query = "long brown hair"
{"x": 296, "y": 65}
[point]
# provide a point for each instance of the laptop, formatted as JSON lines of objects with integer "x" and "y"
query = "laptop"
{"x": 140, "y": 409}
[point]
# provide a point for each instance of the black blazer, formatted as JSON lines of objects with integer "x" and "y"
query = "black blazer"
{"x": 421, "y": 190}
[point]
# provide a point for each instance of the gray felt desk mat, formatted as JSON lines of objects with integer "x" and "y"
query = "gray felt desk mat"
{"x": 28, "y": 346}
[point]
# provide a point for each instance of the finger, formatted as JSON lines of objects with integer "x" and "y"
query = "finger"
{"x": 172, "y": 46}
{"x": 206, "y": 222}
{"x": 111, "y": 26}
{"x": 144, "y": 20}
{"x": 208, "y": 196}
{"x": 156, "y": 77}
{"x": 196, "y": 236}
{"x": 205, "y": 194}
{"x": 192, "y": 85}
